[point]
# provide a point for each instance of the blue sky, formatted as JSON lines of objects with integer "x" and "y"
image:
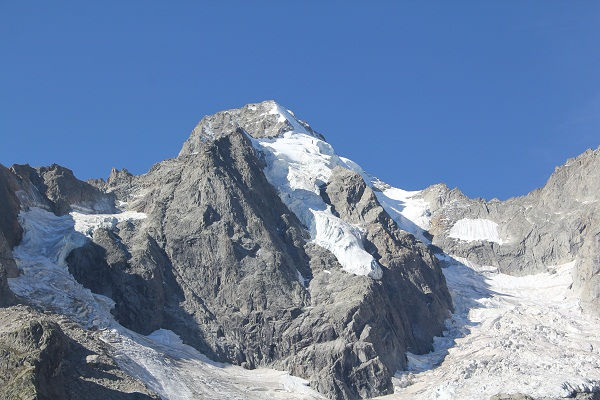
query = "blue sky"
{"x": 486, "y": 96}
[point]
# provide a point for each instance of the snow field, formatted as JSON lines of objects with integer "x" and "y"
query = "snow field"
{"x": 297, "y": 165}
{"x": 508, "y": 335}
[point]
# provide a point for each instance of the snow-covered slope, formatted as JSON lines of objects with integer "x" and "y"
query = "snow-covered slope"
{"x": 161, "y": 360}
{"x": 508, "y": 335}
{"x": 299, "y": 163}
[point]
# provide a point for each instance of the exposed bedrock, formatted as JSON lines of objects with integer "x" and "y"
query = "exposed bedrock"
{"x": 231, "y": 270}
{"x": 45, "y": 357}
{"x": 553, "y": 225}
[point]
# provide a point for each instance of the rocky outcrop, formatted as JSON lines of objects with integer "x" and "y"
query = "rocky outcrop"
{"x": 412, "y": 275}
{"x": 10, "y": 233}
{"x": 587, "y": 272}
{"x": 47, "y": 358}
{"x": 57, "y": 189}
{"x": 7, "y": 265}
{"x": 550, "y": 226}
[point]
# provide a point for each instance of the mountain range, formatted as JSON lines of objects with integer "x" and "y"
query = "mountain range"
{"x": 260, "y": 264}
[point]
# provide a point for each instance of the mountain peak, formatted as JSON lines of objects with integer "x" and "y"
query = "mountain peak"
{"x": 260, "y": 120}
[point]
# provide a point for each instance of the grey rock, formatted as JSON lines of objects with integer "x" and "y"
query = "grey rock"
{"x": 57, "y": 189}
{"x": 10, "y": 232}
{"x": 410, "y": 268}
{"x": 47, "y": 358}
{"x": 550, "y": 226}
{"x": 258, "y": 120}
{"x": 7, "y": 269}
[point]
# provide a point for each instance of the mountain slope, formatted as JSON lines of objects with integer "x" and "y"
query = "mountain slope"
{"x": 243, "y": 264}
{"x": 553, "y": 225}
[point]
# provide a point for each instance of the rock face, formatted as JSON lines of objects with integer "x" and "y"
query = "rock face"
{"x": 10, "y": 233}
{"x": 412, "y": 276}
{"x": 222, "y": 262}
{"x": 42, "y": 360}
{"x": 550, "y": 226}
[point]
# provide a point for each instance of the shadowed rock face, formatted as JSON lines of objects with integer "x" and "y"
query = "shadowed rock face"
{"x": 553, "y": 225}
{"x": 10, "y": 232}
{"x": 47, "y": 358}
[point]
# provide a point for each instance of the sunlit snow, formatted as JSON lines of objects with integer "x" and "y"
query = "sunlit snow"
{"x": 508, "y": 335}
{"x": 298, "y": 164}
{"x": 469, "y": 230}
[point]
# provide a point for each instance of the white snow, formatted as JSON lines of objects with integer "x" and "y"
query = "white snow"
{"x": 297, "y": 165}
{"x": 469, "y": 230}
{"x": 508, "y": 334}
{"x": 167, "y": 366}
{"x": 87, "y": 223}
{"x": 410, "y": 211}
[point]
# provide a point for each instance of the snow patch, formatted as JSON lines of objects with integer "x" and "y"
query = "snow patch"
{"x": 469, "y": 230}
{"x": 407, "y": 208}
{"x": 298, "y": 164}
{"x": 88, "y": 223}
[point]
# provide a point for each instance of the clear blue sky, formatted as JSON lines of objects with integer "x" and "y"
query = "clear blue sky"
{"x": 486, "y": 96}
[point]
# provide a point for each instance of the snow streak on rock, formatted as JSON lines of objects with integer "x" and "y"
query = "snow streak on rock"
{"x": 298, "y": 164}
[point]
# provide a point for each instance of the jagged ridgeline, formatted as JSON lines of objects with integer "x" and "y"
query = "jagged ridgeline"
{"x": 257, "y": 247}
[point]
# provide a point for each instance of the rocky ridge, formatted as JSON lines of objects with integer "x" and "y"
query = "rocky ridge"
{"x": 550, "y": 226}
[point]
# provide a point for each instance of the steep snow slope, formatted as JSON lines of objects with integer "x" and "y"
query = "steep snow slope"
{"x": 508, "y": 334}
{"x": 170, "y": 368}
{"x": 299, "y": 163}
